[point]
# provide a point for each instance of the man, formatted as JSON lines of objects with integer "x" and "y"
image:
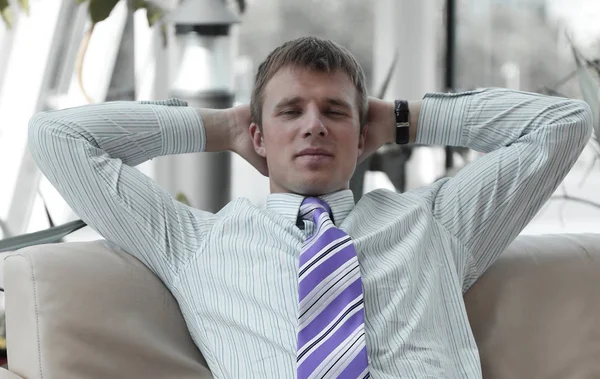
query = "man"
{"x": 315, "y": 285}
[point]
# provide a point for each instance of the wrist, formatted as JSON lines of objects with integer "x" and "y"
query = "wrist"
{"x": 238, "y": 121}
{"x": 218, "y": 130}
{"x": 390, "y": 121}
{"x": 414, "y": 109}
{"x": 230, "y": 126}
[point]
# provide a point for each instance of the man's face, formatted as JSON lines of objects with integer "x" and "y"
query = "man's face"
{"x": 307, "y": 109}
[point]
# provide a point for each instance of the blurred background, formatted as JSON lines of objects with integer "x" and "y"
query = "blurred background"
{"x": 207, "y": 52}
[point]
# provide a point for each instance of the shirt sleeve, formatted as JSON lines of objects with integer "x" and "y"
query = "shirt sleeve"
{"x": 531, "y": 142}
{"x": 88, "y": 154}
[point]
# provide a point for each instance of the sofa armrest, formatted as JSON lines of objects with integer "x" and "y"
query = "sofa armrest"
{"x": 90, "y": 310}
{"x": 5, "y": 374}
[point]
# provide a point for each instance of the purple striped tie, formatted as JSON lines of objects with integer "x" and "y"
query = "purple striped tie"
{"x": 331, "y": 335}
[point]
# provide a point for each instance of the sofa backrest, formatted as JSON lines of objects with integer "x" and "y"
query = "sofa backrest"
{"x": 87, "y": 310}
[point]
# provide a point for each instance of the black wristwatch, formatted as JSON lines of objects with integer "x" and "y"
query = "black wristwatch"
{"x": 402, "y": 134}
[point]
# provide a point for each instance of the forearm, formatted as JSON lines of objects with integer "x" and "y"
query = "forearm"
{"x": 486, "y": 120}
{"x": 414, "y": 109}
{"x": 133, "y": 132}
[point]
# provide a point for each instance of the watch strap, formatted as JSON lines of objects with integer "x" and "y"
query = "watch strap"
{"x": 402, "y": 126}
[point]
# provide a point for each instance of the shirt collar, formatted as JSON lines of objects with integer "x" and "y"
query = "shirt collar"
{"x": 288, "y": 204}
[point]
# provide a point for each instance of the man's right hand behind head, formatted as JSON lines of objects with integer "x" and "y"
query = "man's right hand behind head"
{"x": 241, "y": 139}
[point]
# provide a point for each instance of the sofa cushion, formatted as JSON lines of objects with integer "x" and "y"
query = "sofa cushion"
{"x": 536, "y": 312}
{"x": 84, "y": 310}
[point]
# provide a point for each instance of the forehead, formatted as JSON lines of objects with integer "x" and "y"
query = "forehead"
{"x": 312, "y": 84}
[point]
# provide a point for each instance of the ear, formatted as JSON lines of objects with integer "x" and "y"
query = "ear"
{"x": 258, "y": 140}
{"x": 362, "y": 140}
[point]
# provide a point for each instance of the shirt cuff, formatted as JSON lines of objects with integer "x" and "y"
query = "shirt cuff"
{"x": 181, "y": 127}
{"x": 442, "y": 118}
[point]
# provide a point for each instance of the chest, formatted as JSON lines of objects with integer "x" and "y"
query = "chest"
{"x": 242, "y": 290}
{"x": 248, "y": 269}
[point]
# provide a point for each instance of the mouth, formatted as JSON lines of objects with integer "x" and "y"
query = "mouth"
{"x": 314, "y": 153}
{"x": 314, "y": 160}
{"x": 314, "y": 157}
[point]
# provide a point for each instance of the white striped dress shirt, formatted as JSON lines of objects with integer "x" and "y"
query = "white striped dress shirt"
{"x": 234, "y": 273}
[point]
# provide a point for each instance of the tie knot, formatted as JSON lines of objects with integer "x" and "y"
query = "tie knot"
{"x": 312, "y": 208}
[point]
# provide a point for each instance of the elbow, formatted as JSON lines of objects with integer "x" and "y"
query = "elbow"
{"x": 39, "y": 129}
{"x": 45, "y": 129}
{"x": 38, "y": 125}
{"x": 582, "y": 121}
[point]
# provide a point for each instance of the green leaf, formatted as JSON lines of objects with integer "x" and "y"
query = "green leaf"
{"x": 153, "y": 11}
{"x": 6, "y": 13}
{"x": 79, "y": 2}
{"x": 24, "y": 6}
{"x": 589, "y": 89}
{"x": 100, "y": 9}
{"x": 182, "y": 199}
{"x": 137, "y": 4}
{"x": 51, "y": 235}
{"x": 153, "y": 14}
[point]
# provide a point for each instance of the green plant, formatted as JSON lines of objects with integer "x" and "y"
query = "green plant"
{"x": 6, "y": 11}
{"x": 587, "y": 73}
{"x": 98, "y": 10}
{"x": 590, "y": 88}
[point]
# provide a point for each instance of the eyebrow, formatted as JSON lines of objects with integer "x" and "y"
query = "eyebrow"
{"x": 339, "y": 103}
{"x": 288, "y": 101}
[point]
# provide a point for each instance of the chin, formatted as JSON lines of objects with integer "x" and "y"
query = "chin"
{"x": 302, "y": 182}
{"x": 318, "y": 186}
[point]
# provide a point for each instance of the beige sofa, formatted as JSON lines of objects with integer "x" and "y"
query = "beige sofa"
{"x": 82, "y": 310}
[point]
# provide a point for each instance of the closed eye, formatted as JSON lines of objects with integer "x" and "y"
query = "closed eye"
{"x": 289, "y": 112}
{"x": 336, "y": 113}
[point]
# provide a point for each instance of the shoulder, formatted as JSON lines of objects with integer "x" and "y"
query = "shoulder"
{"x": 389, "y": 198}
{"x": 237, "y": 205}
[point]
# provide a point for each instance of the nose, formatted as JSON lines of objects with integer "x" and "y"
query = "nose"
{"x": 314, "y": 124}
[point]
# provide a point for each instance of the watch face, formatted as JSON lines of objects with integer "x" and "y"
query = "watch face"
{"x": 401, "y": 107}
